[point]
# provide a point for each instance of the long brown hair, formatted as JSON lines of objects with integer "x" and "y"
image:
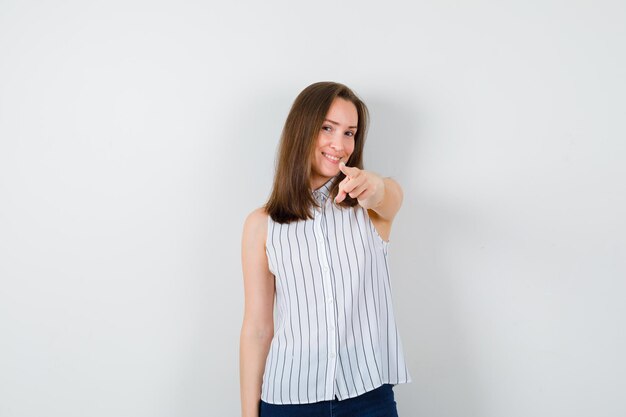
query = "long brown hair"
{"x": 291, "y": 198}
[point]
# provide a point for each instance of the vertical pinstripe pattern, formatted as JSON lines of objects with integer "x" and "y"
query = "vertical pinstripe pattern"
{"x": 335, "y": 331}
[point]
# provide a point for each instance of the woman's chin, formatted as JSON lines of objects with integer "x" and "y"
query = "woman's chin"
{"x": 331, "y": 170}
{"x": 328, "y": 172}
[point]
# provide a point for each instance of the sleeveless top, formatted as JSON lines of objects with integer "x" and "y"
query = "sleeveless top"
{"x": 335, "y": 333}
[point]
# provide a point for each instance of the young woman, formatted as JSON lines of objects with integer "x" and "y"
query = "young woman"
{"x": 319, "y": 248}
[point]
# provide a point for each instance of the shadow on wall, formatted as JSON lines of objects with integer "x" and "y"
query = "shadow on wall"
{"x": 393, "y": 137}
{"x": 423, "y": 300}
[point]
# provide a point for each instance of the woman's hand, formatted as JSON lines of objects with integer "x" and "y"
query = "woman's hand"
{"x": 367, "y": 187}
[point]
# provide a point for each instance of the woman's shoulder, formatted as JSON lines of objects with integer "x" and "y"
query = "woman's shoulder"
{"x": 255, "y": 224}
{"x": 256, "y": 218}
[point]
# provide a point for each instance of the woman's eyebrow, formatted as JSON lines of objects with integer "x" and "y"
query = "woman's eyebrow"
{"x": 335, "y": 123}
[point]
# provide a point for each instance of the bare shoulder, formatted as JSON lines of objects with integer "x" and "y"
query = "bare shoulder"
{"x": 256, "y": 219}
{"x": 255, "y": 225}
{"x": 253, "y": 256}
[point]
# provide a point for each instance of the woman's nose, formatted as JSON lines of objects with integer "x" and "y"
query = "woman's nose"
{"x": 337, "y": 142}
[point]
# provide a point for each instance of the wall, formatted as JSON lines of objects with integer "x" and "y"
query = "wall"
{"x": 135, "y": 136}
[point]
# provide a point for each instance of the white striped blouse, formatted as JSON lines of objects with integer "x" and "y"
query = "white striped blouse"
{"x": 335, "y": 332}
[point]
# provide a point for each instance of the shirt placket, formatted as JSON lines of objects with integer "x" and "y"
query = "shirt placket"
{"x": 330, "y": 300}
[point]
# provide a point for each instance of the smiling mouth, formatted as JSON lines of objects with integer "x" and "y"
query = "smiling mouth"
{"x": 331, "y": 157}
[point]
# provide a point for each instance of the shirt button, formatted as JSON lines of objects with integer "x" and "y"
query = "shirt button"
{"x": 330, "y": 300}
{"x": 325, "y": 269}
{"x": 332, "y": 355}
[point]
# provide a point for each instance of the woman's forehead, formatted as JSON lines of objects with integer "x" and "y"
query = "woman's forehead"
{"x": 343, "y": 112}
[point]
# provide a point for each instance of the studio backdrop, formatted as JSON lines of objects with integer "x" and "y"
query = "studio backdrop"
{"x": 136, "y": 136}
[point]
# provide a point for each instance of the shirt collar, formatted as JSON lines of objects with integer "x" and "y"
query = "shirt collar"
{"x": 322, "y": 193}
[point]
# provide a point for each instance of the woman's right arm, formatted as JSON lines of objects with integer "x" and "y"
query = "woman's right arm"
{"x": 258, "y": 320}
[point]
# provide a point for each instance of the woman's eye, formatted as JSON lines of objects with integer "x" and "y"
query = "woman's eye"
{"x": 349, "y": 133}
{"x": 326, "y": 128}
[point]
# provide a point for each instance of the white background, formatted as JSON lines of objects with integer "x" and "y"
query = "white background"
{"x": 135, "y": 136}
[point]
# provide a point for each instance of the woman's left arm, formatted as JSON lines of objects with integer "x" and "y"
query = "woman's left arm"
{"x": 373, "y": 192}
{"x": 391, "y": 201}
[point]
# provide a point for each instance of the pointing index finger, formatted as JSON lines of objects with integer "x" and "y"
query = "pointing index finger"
{"x": 349, "y": 171}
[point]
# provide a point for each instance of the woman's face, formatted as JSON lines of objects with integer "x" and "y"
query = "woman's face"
{"x": 335, "y": 141}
